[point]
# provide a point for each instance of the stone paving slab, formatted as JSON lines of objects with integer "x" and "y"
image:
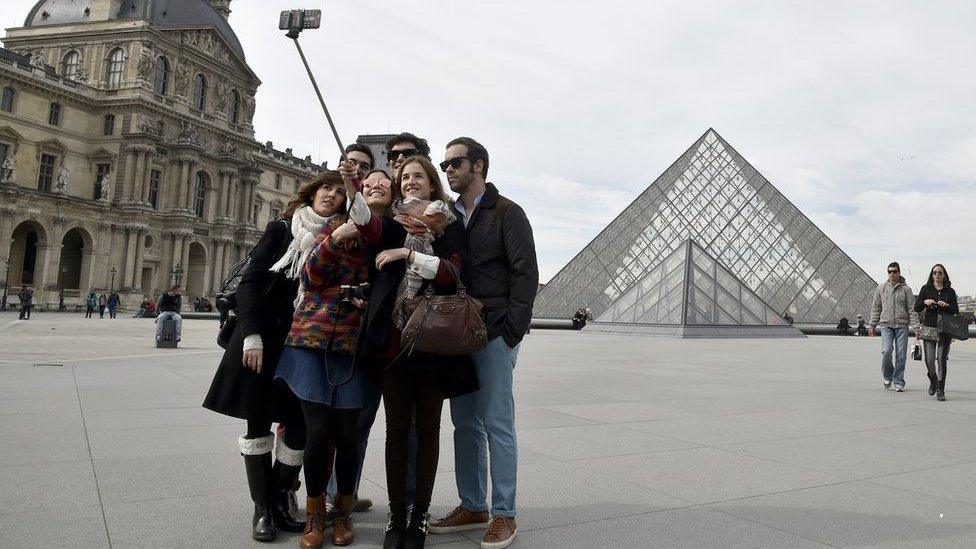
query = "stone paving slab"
{"x": 624, "y": 442}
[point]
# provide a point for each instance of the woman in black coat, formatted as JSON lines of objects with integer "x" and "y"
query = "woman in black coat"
{"x": 243, "y": 385}
{"x": 936, "y": 297}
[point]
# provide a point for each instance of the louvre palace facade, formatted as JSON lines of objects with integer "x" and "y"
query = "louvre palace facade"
{"x": 128, "y": 152}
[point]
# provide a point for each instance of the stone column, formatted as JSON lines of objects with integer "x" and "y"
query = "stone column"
{"x": 185, "y": 260}
{"x": 130, "y": 257}
{"x": 145, "y": 177}
{"x": 228, "y": 249}
{"x": 234, "y": 206}
{"x": 218, "y": 262}
{"x": 140, "y": 176}
{"x": 165, "y": 260}
{"x": 249, "y": 210}
{"x": 127, "y": 180}
{"x": 221, "y": 202}
{"x": 177, "y": 256}
{"x": 140, "y": 251}
{"x": 190, "y": 184}
{"x": 184, "y": 177}
{"x": 52, "y": 262}
{"x": 6, "y": 232}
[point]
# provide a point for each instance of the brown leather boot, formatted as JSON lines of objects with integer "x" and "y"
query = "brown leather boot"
{"x": 342, "y": 531}
{"x": 314, "y": 534}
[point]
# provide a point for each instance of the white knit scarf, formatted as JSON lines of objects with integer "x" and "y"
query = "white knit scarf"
{"x": 305, "y": 226}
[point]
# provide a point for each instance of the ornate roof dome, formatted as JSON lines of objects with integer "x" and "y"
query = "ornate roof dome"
{"x": 163, "y": 13}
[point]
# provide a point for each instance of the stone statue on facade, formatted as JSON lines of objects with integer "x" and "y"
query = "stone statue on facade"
{"x": 104, "y": 189}
{"x": 188, "y": 133}
{"x": 221, "y": 93}
{"x": 248, "y": 101}
{"x": 145, "y": 68}
{"x": 61, "y": 186}
{"x": 182, "y": 79}
{"x": 227, "y": 149}
{"x": 37, "y": 60}
{"x": 7, "y": 172}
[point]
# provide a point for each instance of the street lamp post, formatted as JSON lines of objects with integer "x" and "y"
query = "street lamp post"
{"x": 64, "y": 273}
{"x": 177, "y": 272}
{"x": 111, "y": 289}
{"x": 6, "y": 283}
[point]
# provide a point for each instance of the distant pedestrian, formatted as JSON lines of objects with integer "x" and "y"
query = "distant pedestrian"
{"x": 893, "y": 309}
{"x": 102, "y": 304}
{"x": 935, "y": 298}
{"x": 91, "y": 303}
{"x": 170, "y": 305}
{"x": 26, "y": 296}
{"x": 113, "y": 304}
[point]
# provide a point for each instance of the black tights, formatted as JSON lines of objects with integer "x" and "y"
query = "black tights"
{"x": 294, "y": 432}
{"x": 326, "y": 425}
{"x": 937, "y": 362}
{"x": 403, "y": 388}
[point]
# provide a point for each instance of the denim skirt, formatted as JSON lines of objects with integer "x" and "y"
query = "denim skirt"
{"x": 323, "y": 377}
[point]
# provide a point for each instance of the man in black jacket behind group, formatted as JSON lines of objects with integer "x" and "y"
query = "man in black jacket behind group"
{"x": 169, "y": 306}
{"x": 499, "y": 269}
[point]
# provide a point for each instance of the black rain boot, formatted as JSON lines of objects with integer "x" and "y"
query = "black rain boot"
{"x": 396, "y": 528}
{"x": 285, "y": 485}
{"x": 417, "y": 529}
{"x": 257, "y": 464}
{"x": 933, "y": 383}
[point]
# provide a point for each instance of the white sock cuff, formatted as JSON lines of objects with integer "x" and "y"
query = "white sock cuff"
{"x": 286, "y": 455}
{"x": 256, "y": 446}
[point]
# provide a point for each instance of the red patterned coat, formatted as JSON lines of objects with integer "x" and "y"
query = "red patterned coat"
{"x": 321, "y": 317}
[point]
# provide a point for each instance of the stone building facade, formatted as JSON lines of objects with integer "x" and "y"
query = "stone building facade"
{"x": 128, "y": 151}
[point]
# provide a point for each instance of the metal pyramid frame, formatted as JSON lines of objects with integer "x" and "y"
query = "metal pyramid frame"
{"x": 690, "y": 294}
{"x": 713, "y": 195}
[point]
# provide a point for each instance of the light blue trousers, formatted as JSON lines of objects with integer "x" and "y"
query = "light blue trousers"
{"x": 894, "y": 341}
{"x": 484, "y": 424}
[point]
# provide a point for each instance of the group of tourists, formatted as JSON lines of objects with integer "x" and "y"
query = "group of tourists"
{"x": 895, "y": 311}
{"x": 101, "y": 303}
{"x": 318, "y": 343}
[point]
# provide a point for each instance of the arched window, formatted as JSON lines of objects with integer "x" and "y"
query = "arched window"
{"x": 235, "y": 107}
{"x": 200, "y": 192}
{"x": 69, "y": 67}
{"x": 116, "y": 68}
{"x": 162, "y": 76}
{"x": 200, "y": 92}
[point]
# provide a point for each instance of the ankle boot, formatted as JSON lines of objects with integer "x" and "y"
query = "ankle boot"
{"x": 257, "y": 464}
{"x": 417, "y": 529}
{"x": 396, "y": 528}
{"x": 342, "y": 530}
{"x": 940, "y": 395}
{"x": 313, "y": 536}
{"x": 933, "y": 384}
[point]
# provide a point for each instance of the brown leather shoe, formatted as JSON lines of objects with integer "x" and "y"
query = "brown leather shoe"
{"x": 500, "y": 534}
{"x": 314, "y": 535}
{"x": 342, "y": 530}
{"x": 460, "y": 520}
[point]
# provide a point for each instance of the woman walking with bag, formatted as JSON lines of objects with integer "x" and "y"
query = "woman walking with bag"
{"x": 427, "y": 256}
{"x": 317, "y": 364}
{"x": 243, "y": 386}
{"x": 936, "y": 298}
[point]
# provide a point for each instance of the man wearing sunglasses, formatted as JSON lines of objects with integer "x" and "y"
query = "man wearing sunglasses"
{"x": 499, "y": 268}
{"x": 401, "y": 147}
{"x": 893, "y": 308}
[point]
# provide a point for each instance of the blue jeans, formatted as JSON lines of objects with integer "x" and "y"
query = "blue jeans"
{"x": 166, "y": 316}
{"x": 484, "y": 423}
{"x": 894, "y": 340}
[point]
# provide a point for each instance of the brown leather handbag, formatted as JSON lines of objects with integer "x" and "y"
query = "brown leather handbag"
{"x": 449, "y": 325}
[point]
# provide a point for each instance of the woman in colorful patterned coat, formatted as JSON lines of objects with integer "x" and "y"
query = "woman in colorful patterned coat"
{"x": 317, "y": 363}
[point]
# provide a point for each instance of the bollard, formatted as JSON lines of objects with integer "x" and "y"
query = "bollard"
{"x": 167, "y": 338}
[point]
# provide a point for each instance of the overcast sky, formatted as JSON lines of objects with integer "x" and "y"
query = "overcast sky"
{"x": 862, "y": 113}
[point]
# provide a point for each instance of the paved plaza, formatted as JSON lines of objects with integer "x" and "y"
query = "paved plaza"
{"x": 626, "y": 441}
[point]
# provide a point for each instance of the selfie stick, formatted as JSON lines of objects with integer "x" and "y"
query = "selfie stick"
{"x": 295, "y": 21}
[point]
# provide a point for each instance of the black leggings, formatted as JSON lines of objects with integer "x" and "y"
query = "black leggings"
{"x": 403, "y": 388}
{"x": 327, "y": 425}
{"x": 289, "y": 407}
{"x": 937, "y": 362}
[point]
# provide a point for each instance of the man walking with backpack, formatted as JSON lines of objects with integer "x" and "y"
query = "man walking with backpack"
{"x": 893, "y": 308}
{"x": 500, "y": 269}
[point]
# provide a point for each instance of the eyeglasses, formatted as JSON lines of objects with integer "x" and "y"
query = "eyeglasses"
{"x": 406, "y": 153}
{"x": 453, "y": 163}
{"x": 385, "y": 183}
{"x": 893, "y": 272}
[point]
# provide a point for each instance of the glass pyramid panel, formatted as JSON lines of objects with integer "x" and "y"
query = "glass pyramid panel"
{"x": 712, "y": 195}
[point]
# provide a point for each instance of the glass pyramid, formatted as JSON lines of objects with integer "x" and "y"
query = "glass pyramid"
{"x": 690, "y": 287}
{"x": 712, "y": 195}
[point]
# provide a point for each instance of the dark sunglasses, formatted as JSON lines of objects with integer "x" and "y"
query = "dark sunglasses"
{"x": 406, "y": 153}
{"x": 453, "y": 163}
{"x": 893, "y": 272}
